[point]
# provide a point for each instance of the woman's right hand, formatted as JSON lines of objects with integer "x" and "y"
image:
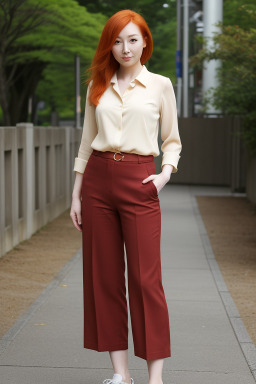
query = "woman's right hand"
{"x": 76, "y": 205}
{"x": 75, "y": 213}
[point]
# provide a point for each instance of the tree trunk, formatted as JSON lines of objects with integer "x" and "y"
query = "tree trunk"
{"x": 4, "y": 94}
{"x": 23, "y": 89}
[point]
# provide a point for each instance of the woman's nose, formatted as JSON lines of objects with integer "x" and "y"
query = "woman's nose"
{"x": 125, "y": 47}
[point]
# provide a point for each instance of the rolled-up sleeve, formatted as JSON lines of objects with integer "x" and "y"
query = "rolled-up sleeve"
{"x": 171, "y": 146}
{"x": 88, "y": 135}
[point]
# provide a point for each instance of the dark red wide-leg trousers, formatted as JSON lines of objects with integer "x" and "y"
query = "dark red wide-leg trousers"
{"x": 119, "y": 211}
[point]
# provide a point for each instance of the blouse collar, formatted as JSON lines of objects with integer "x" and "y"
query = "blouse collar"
{"x": 141, "y": 77}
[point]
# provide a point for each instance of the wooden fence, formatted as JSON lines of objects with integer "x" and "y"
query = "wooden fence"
{"x": 36, "y": 173}
{"x": 212, "y": 153}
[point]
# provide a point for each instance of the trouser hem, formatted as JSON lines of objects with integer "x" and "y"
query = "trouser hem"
{"x": 104, "y": 348}
{"x": 153, "y": 355}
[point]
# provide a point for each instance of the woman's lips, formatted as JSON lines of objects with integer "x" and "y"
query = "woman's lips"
{"x": 126, "y": 58}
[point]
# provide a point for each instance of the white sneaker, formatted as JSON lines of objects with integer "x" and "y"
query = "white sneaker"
{"x": 117, "y": 379}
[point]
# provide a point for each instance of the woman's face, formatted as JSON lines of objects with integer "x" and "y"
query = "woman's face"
{"x": 129, "y": 44}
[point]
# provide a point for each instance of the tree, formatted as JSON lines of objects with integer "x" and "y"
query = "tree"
{"x": 34, "y": 35}
{"x": 235, "y": 46}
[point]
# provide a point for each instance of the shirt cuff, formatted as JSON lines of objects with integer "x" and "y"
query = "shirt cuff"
{"x": 80, "y": 165}
{"x": 172, "y": 159}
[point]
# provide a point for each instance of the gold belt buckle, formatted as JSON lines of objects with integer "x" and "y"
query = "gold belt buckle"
{"x": 121, "y": 158}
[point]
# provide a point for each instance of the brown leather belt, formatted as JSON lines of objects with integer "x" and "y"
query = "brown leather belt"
{"x": 124, "y": 156}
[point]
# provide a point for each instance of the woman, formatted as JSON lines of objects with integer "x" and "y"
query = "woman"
{"x": 115, "y": 199}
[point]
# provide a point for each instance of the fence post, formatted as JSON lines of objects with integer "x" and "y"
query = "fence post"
{"x": 238, "y": 166}
{"x": 29, "y": 174}
{"x": 2, "y": 187}
{"x": 15, "y": 189}
{"x": 67, "y": 166}
{"x": 42, "y": 175}
{"x": 251, "y": 178}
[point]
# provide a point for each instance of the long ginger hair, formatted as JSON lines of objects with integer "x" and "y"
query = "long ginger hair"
{"x": 104, "y": 65}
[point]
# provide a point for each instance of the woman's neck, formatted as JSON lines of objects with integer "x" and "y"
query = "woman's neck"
{"x": 126, "y": 73}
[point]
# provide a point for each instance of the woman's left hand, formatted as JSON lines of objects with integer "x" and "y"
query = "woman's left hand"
{"x": 161, "y": 179}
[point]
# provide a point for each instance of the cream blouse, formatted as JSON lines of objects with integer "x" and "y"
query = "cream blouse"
{"x": 130, "y": 123}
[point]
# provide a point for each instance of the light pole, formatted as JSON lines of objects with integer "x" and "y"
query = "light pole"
{"x": 212, "y": 13}
{"x": 179, "y": 59}
{"x": 78, "y": 97}
{"x": 185, "y": 56}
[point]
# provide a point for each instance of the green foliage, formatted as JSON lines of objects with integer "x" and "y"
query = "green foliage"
{"x": 72, "y": 31}
{"x": 236, "y": 12}
{"x": 82, "y": 32}
{"x": 163, "y": 58}
{"x": 235, "y": 46}
{"x": 43, "y": 37}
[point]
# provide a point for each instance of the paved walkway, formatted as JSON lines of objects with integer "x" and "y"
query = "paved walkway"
{"x": 209, "y": 342}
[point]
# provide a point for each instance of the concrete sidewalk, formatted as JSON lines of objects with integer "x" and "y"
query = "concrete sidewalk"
{"x": 209, "y": 342}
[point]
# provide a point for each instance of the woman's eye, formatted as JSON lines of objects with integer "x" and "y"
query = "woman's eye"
{"x": 118, "y": 41}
